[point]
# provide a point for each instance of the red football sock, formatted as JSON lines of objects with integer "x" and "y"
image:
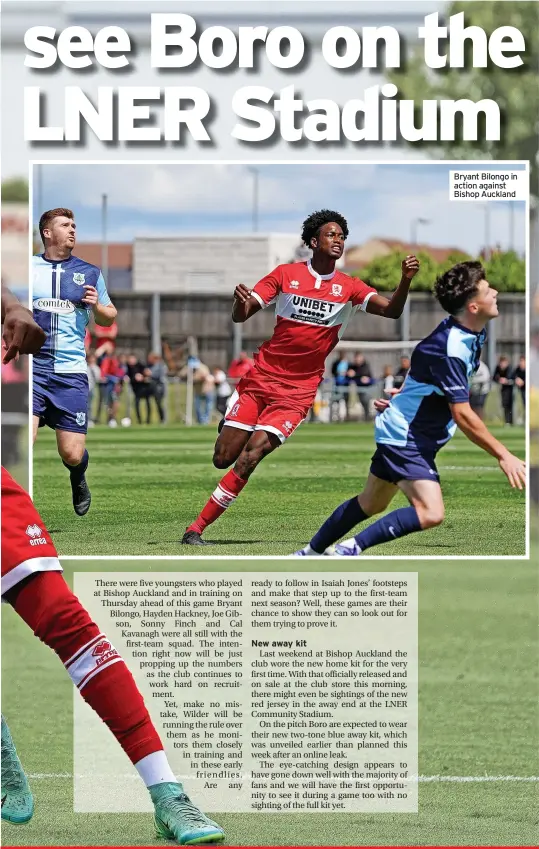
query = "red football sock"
{"x": 226, "y": 493}
{"x": 45, "y": 602}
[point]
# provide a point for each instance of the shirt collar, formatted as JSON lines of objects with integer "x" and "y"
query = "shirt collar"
{"x": 453, "y": 321}
{"x": 318, "y": 277}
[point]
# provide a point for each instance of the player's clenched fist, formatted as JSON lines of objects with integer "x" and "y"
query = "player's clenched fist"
{"x": 242, "y": 293}
{"x": 21, "y": 335}
{"x": 410, "y": 266}
{"x": 90, "y": 296}
{"x": 381, "y": 404}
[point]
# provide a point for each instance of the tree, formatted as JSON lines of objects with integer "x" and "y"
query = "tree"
{"x": 515, "y": 90}
{"x": 506, "y": 271}
{"x": 385, "y": 272}
{"x": 15, "y": 190}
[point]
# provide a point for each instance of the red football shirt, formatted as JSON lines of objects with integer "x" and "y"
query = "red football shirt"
{"x": 26, "y": 544}
{"x": 312, "y": 311}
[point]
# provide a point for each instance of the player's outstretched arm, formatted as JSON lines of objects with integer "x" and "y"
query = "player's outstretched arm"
{"x": 393, "y": 307}
{"x": 245, "y": 305}
{"x": 21, "y": 334}
{"x": 471, "y": 425}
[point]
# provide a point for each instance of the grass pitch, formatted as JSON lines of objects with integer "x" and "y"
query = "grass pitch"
{"x": 149, "y": 483}
{"x": 478, "y": 733}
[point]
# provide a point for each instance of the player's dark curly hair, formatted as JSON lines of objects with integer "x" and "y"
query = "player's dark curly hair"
{"x": 312, "y": 224}
{"x": 455, "y": 288}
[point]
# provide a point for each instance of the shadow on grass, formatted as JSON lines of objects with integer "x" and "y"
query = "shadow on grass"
{"x": 210, "y": 543}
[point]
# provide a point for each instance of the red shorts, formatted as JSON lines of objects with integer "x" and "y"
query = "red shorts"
{"x": 26, "y": 544}
{"x": 262, "y": 403}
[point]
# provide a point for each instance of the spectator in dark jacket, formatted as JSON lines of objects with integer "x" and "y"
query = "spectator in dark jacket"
{"x": 360, "y": 374}
{"x": 503, "y": 376}
{"x": 402, "y": 371}
{"x": 158, "y": 380}
{"x": 140, "y": 384}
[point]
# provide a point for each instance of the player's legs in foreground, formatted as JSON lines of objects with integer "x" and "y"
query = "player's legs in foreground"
{"x": 243, "y": 448}
{"x": 376, "y": 496}
{"x": 72, "y": 450}
{"x": 426, "y": 511}
{"x": 17, "y": 799}
{"x": 45, "y": 602}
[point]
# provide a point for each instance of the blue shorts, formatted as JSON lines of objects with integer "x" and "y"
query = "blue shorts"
{"x": 393, "y": 464}
{"x": 61, "y": 401}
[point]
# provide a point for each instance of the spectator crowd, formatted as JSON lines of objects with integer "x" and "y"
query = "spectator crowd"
{"x": 355, "y": 387}
{"x": 110, "y": 373}
{"x": 144, "y": 383}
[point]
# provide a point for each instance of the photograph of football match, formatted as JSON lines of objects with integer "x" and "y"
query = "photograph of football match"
{"x": 277, "y": 360}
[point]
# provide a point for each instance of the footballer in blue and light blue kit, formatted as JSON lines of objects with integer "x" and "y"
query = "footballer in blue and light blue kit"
{"x": 418, "y": 421}
{"x": 60, "y": 382}
{"x": 65, "y": 291}
{"x": 421, "y": 419}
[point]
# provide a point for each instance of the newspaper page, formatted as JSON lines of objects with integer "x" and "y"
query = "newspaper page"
{"x": 269, "y": 423}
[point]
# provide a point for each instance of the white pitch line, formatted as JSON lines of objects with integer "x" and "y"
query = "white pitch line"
{"x": 468, "y": 468}
{"x": 427, "y": 779}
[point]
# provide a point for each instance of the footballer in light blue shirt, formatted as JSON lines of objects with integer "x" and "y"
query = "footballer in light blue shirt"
{"x": 66, "y": 291}
{"x": 420, "y": 419}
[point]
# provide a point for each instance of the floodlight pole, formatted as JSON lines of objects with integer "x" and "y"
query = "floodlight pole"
{"x": 255, "y": 206}
{"x": 104, "y": 238}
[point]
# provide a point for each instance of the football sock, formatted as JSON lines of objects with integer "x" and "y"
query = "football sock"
{"x": 397, "y": 524}
{"x": 222, "y": 497}
{"x": 155, "y": 769}
{"x": 45, "y": 602}
{"x": 77, "y": 472}
{"x": 342, "y": 520}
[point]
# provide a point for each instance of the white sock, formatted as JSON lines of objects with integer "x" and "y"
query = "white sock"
{"x": 155, "y": 769}
{"x": 310, "y": 552}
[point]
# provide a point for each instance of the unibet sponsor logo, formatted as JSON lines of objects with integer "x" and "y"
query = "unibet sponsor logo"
{"x": 313, "y": 304}
{"x": 56, "y": 305}
{"x": 312, "y": 310}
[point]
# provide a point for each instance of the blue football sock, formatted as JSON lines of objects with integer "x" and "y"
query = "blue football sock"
{"x": 397, "y": 524}
{"x": 77, "y": 472}
{"x": 342, "y": 520}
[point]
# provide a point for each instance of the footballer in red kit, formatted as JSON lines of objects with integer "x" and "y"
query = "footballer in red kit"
{"x": 313, "y": 303}
{"x": 26, "y": 544}
{"x": 32, "y": 584}
{"x": 311, "y": 312}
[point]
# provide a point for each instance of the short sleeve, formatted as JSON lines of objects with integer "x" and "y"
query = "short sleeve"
{"x": 102, "y": 294}
{"x": 267, "y": 289}
{"x": 26, "y": 543}
{"x": 450, "y": 375}
{"x": 361, "y": 294}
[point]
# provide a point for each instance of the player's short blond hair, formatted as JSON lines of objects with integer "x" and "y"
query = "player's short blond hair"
{"x": 49, "y": 216}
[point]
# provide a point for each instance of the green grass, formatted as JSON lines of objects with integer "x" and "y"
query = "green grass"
{"x": 149, "y": 483}
{"x": 478, "y": 716}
